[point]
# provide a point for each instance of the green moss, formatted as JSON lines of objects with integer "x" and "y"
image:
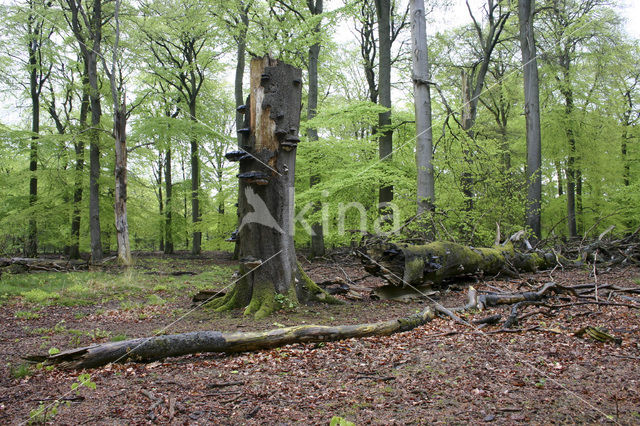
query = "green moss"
{"x": 310, "y": 291}
{"x": 263, "y": 302}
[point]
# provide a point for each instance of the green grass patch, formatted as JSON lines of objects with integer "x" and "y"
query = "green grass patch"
{"x": 119, "y": 338}
{"x": 155, "y": 300}
{"x": 20, "y": 371}
{"x": 28, "y": 315}
{"x": 94, "y": 287}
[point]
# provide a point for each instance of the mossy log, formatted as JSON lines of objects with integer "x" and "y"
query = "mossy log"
{"x": 159, "y": 347}
{"x": 413, "y": 265}
{"x": 16, "y": 265}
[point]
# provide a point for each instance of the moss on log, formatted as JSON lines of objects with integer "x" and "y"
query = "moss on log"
{"x": 159, "y": 347}
{"x": 402, "y": 264}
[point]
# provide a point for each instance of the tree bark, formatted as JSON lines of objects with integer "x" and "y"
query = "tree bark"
{"x": 571, "y": 170}
{"x": 160, "y": 347}
{"x": 267, "y": 252}
{"x": 385, "y": 141}
{"x": 161, "y": 201}
{"x": 37, "y": 78}
{"x": 120, "y": 136}
{"x": 417, "y": 265}
{"x": 89, "y": 37}
{"x": 422, "y": 105}
{"x": 559, "y": 176}
{"x": 268, "y": 269}
{"x": 31, "y": 249}
{"x": 526, "y": 9}
{"x": 195, "y": 186}
{"x": 315, "y": 7}
{"x": 238, "y": 88}
{"x": 168, "y": 238}
{"x": 79, "y": 146}
{"x": 122, "y": 225}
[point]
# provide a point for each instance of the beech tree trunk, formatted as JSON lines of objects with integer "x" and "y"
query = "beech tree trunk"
{"x": 422, "y": 103}
{"x": 385, "y": 142}
{"x": 122, "y": 225}
{"x": 270, "y": 136}
{"x": 86, "y": 23}
{"x": 315, "y": 7}
{"x": 31, "y": 249}
{"x": 238, "y": 89}
{"x": 526, "y": 9}
{"x": 267, "y": 171}
{"x": 168, "y": 234}
{"x": 160, "y": 347}
{"x": 195, "y": 186}
{"x": 79, "y": 146}
{"x": 120, "y": 135}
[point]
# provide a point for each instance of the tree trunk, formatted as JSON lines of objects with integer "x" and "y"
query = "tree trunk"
{"x": 195, "y": 186}
{"x": 385, "y": 142}
{"x": 417, "y": 265}
{"x": 422, "y": 105}
{"x": 268, "y": 270}
{"x": 571, "y": 185}
{"x": 161, "y": 201}
{"x": 267, "y": 252}
{"x": 559, "y": 176}
{"x": 526, "y": 9}
{"x": 79, "y": 146}
{"x": 122, "y": 225}
{"x": 238, "y": 91}
{"x": 626, "y": 168}
{"x": 160, "y": 347}
{"x": 467, "y": 120}
{"x": 31, "y": 249}
{"x": 168, "y": 244}
{"x": 317, "y": 234}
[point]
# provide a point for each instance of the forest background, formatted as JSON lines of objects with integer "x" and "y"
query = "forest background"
{"x": 174, "y": 72}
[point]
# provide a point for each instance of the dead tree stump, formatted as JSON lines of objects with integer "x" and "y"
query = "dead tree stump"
{"x": 267, "y": 157}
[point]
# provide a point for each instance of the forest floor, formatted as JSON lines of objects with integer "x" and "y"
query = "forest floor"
{"x": 443, "y": 372}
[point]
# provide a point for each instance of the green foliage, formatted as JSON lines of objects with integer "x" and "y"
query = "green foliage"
{"x": 84, "y": 380}
{"x": 28, "y": 315}
{"x": 339, "y": 421}
{"x": 602, "y": 78}
{"x": 20, "y": 371}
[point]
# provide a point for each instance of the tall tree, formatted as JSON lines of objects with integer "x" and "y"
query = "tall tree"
{"x": 526, "y": 9}
{"x": 385, "y": 141}
{"x": 37, "y": 34}
{"x": 422, "y": 104}
{"x": 86, "y": 23}
{"x": 315, "y": 8}
{"x": 120, "y": 114}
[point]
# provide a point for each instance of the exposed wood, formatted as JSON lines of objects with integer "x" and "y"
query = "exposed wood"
{"x": 160, "y": 347}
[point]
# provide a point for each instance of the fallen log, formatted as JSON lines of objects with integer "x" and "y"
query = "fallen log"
{"x": 16, "y": 265}
{"x": 414, "y": 265}
{"x": 159, "y": 347}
